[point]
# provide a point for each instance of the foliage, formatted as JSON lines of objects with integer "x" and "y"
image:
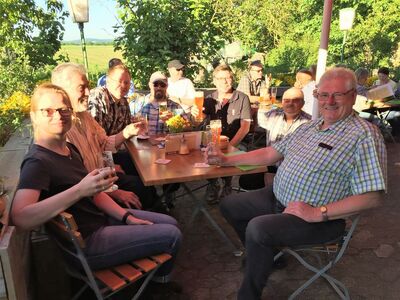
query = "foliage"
{"x": 155, "y": 32}
{"x": 13, "y": 111}
{"x": 177, "y": 124}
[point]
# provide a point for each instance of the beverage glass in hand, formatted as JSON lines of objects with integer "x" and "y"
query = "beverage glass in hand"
{"x": 162, "y": 108}
{"x": 274, "y": 91}
{"x": 199, "y": 102}
{"x": 105, "y": 160}
{"x": 144, "y": 123}
{"x": 263, "y": 95}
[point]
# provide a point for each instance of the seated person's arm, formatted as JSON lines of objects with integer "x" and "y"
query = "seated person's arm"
{"x": 241, "y": 133}
{"x": 28, "y": 212}
{"x": 183, "y": 100}
{"x": 337, "y": 210}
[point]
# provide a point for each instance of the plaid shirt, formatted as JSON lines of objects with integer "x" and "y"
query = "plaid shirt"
{"x": 155, "y": 125}
{"x": 324, "y": 166}
{"x": 249, "y": 87}
{"x": 111, "y": 115}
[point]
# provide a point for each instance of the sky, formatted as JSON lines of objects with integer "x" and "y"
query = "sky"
{"x": 102, "y": 18}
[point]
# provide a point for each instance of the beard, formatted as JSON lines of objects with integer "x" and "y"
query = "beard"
{"x": 159, "y": 95}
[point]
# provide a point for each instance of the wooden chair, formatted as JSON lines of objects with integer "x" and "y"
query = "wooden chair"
{"x": 334, "y": 250}
{"x": 104, "y": 282}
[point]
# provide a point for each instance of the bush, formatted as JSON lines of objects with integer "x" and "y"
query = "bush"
{"x": 13, "y": 111}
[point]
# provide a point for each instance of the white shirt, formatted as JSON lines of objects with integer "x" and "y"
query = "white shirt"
{"x": 392, "y": 83}
{"x": 183, "y": 88}
{"x": 308, "y": 90}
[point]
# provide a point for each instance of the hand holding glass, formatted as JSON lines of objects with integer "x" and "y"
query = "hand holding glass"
{"x": 104, "y": 161}
{"x": 274, "y": 91}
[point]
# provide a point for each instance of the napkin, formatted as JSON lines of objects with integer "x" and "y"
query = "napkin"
{"x": 242, "y": 167}
{"x": 162, "y": 161}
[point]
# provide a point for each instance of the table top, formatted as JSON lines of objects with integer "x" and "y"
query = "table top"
{"x": 384, "y": 105}
{"x": 180, "y": 169}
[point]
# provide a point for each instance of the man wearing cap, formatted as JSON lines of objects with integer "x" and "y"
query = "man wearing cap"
{"x": 251, "y": 82}
{"x": 180, "y": 89}
{"x": 158, "y": 85}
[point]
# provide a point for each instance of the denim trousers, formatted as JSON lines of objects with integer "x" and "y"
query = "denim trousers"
{"x": 261, "y": 226}
{"x": 119, "y": 243}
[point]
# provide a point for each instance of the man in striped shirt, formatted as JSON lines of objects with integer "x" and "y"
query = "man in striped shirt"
{"x": 334, "y": 167}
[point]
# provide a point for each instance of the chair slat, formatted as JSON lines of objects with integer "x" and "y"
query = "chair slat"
{"x": 145, "y": 264}
{"x": 110, "y": 279}
{"x": 161, "y": 258}
{"x": 128, "y": 272}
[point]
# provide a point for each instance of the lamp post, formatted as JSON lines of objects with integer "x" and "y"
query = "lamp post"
{"x": 346, "y": 19}
{"x": 80, "y": 14}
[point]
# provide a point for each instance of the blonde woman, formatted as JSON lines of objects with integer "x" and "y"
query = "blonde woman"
{"x": 53, "y": 179}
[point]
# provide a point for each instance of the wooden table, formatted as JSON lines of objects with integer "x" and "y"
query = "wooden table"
{"x": 181, "y": 170}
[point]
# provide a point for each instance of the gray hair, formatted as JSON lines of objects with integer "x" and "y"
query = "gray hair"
{"x": 351, "y": 80}
{"x": 61, "y": 73}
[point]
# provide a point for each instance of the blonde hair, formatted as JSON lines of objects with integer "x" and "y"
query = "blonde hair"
{"x": 118, "y": 67}
{"x": 223, "y": 67}
{"x": 38, "y": 93}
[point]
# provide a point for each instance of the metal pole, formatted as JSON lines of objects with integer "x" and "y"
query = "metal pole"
{"x": 343, "y": 43}
{"x": 323, "y": 49}
{"x": 83, "y": 45}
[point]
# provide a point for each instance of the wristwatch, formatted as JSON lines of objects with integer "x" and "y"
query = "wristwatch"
{"x": 324, "y": 212}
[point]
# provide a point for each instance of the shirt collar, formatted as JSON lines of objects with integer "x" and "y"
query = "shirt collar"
{"x": 336, "y": 127}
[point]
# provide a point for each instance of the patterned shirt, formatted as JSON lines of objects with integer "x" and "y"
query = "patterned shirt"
{"x": 324, "y": 166}
{"x": 90, "y": 139}
{"x": 155, "y": 125}
{"x": 275, "y": 125}
{"x": 111, "y": 115}
{"x": 249, "y": 87}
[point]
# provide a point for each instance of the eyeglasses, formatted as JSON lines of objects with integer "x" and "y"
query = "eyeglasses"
{"x": 223, "y": 78}
{"x": 49, "y": 112}
{"x": 293, "y": 100}
{"x": 325, "y": 96}
{"x": 160, "y": 84}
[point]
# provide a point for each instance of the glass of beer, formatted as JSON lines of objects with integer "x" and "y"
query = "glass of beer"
{"x": 263, "y": 95}
{"x": 274, "y": 91}
{"x": 199, "y": 101}
{"x": 162, "y": 108}
{"x": 216, "y": 128}
{"x": 104, "y": 161}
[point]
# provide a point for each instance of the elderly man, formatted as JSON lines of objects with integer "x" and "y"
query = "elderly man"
{"x": 278, "y": 123}
{"x": 334, "y": 167}
{"x": 232, "y": 107}
{"x": 305, "y": 82}
{"x": 158, "y": 85}
{"x": 180, "y": 89}
{"x": 90, "y": 139}
{"x": 251, "y": 82}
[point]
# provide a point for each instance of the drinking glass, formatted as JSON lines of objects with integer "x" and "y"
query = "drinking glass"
{"x": 162, "y": 108}
{"x": 105, "y": 160}
{"x": 213, "y": 159}
{"x": 264, "y": 96}
{"x": 216, "y": 128}
{"x": 199, "y": 101}
{"x": 144, "y": 123}
{"x": 274, "y": 91}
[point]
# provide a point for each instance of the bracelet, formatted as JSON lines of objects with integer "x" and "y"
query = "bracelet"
{"x": 125, "y": 217}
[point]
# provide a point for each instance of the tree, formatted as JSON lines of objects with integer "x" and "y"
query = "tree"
{"x": 155, "y": 32}
{"x": 29, "y": 38}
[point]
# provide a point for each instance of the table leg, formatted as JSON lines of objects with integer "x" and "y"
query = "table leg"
{"x": 201, "y": 208}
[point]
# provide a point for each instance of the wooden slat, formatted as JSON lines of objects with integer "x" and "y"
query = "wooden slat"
{"x": 161, "y": 258}
{"x": 128, "y": 272}
{"x": 145, "y": 264}
{"x": 70, "y": 219}
{"x": 63, "y": 232}
{"x": 110, "y": 279}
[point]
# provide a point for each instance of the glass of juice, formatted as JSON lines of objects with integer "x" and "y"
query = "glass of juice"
{"x": 274, "y": 91}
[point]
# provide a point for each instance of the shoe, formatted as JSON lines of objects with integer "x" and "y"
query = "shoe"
{"x": 212, "y": 192}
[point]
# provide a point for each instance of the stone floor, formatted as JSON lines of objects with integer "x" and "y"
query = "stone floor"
{"x": 370, "y": 269}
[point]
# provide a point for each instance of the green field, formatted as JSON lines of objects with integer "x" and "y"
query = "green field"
{"x": 98, "y": 56}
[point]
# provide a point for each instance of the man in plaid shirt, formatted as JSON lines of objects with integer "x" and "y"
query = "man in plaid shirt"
{"x": 251, "y": 82}
{"x": 333, "y": 167}
{"x": 158, "y": 85}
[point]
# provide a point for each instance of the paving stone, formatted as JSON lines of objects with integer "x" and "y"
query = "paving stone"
{"x": 384, "y": 251}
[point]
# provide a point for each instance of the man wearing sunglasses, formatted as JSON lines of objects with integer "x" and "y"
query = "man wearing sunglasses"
{"x": 180, "y": 89}
{"x": 251, "y": 82}
{"x": 333, "y": 167}
{"x": 158, "y": 85}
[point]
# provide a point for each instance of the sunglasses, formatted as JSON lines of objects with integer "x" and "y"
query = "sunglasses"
{"x": 160, "y": 84}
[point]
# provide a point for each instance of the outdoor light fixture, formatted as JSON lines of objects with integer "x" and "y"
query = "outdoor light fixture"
{"x": 79, "y": 10}
{"x": 346, "y": 19}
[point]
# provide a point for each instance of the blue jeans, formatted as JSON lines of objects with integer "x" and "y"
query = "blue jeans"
{"x": 120, "y": 243}
{"x": 257, "y": 219}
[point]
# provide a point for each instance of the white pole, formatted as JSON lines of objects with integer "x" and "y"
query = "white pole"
{"x": 323, "y": 49}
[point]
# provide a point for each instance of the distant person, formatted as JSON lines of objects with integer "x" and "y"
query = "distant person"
{"x": 102, "y": 81}
{"x": 252, "y": 81}
{"x": 313, "y": 70}
{"x": 362, "y": 77}
{"x": 305, "y": 82}
{"x": 180, "y": 89}
{"x": 383, "y": 78}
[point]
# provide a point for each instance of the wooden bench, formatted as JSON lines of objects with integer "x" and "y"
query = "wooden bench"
{"x": 104, "y": 282}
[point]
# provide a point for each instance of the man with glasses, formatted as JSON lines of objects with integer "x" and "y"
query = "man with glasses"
{"x": 333, "y": 167}
{"x": 251, "y": 82}
{"x": 232, "y": 107}
{"x": 180, "y": 89}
